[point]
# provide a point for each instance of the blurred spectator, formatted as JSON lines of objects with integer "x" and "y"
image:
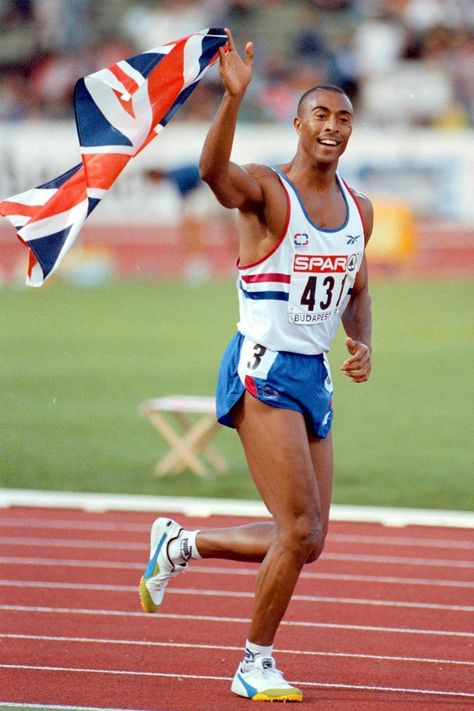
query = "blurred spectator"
{"x": 197, "y": 207}
{"x": 423, "y": 15}
{"x": 16, "y": 101}
{"x": 378, "y": 43}
{"x": 64, "y": 26}
{"x": 463, "y": 74}
{"x": 361, "y": 45}
{"x": 17, "y": 35}
{"x": 151, "y": 26}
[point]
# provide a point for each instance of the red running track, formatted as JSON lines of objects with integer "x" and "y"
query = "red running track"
{"x": 384, "y": 620}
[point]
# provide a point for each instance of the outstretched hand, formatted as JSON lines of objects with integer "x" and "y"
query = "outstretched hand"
{"x": 235, "y": 72}
{"x": 359, "y": 365}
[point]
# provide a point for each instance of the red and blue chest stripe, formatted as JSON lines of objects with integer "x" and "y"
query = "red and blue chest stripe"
{"x": 275, "y": 286}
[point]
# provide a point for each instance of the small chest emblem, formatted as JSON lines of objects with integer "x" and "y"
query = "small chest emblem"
{"x": 300, "y": 239}
{"x": 352, "y": 239}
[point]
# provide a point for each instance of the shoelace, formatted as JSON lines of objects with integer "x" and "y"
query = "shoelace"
{"x": 272, "y": 672}
{"x": 269, "y": 672}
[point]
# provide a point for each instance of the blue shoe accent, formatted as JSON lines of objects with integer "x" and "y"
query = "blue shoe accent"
{"x": 251, "y": 690}
{"x": 159, "y": 568}
{"x": 150, "y": 569}
{"x": 262, "y": 681}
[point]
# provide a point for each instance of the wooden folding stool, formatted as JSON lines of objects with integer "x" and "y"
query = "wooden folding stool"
{"x": 190, "y": 442}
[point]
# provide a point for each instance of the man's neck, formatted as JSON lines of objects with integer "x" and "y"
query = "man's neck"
{"x": 319, "y": 176}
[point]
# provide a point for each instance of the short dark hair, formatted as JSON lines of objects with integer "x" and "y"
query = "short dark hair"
{"x": 320, "y": 87}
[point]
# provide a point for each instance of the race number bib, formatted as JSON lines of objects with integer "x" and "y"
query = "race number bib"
{"x": 319, "y": 284}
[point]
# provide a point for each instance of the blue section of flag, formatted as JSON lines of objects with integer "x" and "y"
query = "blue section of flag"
{"x": 93, "y": 202}
{"x": 92, "y": 126}
{"x": 178, "y": 103}
{"x": 116, "y": 134}
{"x": 145, "y": 63}
{"x": 61, "y": 179}
{"x": 47, "y": 248}
{"x": 210, "y": 45}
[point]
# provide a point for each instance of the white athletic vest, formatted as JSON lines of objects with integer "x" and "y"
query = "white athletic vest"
{"x": 293, "y": 299}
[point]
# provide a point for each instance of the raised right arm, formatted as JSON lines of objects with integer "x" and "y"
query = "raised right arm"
{"x": 233, "y": 185}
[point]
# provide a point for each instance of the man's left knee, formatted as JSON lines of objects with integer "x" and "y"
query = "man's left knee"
{"x": 317, "y": 548}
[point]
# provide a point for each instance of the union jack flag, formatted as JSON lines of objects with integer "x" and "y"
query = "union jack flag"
{"x": 118, "y": 111}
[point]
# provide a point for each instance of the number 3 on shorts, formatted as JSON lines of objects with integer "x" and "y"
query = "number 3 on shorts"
{"x": 258, "y": 353}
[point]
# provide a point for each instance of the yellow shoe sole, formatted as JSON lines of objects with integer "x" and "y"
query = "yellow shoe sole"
{"x": 146, "y": 601}
{"x": 294, "y": 696}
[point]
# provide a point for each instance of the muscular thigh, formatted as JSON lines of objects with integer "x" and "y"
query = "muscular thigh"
{"x": 280, "y": 458}
{"x": 322, "y": 458}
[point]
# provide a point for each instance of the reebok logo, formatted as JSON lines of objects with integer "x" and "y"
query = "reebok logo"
{"x": 352, "y": 239}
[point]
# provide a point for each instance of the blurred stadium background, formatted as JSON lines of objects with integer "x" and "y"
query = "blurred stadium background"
{"x": 144, "y": 303}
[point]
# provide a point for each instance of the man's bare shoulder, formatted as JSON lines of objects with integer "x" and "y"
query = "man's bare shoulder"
{"x": 268, "y": 181}
{"x": 260, "y": 171}
{"x": 363, "y": 199}
{"x": 367, "y": 210}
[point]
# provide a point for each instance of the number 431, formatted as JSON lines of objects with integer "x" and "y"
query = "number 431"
{"x": 309, "y": 295}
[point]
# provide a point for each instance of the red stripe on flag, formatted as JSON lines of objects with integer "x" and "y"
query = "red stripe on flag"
{"x": 165, "y": 85}
{"x": 102, "y": 169}
{"x": 7, "y": 207}
{"x": 128, "y": 82}
{"x": 70, "y": 194}
{"x": 126, "y": 104}
{"x": 32, "y": 261}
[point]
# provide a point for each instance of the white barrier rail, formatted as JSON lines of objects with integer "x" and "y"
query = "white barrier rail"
{"x": 431, "y": 170}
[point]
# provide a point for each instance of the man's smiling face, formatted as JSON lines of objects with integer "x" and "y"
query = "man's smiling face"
{"x": 324, "y": 124}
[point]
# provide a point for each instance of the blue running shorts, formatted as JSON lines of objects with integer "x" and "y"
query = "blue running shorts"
{"x": 291, "y": 381}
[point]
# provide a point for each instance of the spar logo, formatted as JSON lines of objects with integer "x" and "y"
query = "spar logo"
{"x": 324, "y": 263}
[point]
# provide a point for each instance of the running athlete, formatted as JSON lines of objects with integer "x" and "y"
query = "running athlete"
{"x": 302, "y": 270}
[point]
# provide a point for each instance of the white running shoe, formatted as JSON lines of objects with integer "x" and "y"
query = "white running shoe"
{"x": 264, "y": 682}
{"x": 160, "y": 568}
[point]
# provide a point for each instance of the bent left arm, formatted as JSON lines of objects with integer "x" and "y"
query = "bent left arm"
{"x": 357, "y": 317}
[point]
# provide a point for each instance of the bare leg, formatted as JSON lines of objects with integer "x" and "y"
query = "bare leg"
{"x": 282, "y": 460}
{"x": 250, "y": 542}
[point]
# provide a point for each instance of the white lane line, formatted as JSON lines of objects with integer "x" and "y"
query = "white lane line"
{"x": 398, "y": 560}
{"x": 235, "y": 594}
{"x": 75, "y": 524}
{"x": 220, "y": 619}
{"x": 407, "y": 542}
{"x": 70, "y": 563}
{"x": 229, "y": 648}
{"x": 384, "y": 579}
{"x": 389, "y": 560}
{"x": 126, "y": 672}
{"x": 235, "y": 570}
{"x": 94, "y": 544}
{"x": 56, "y": 707}
{"x": 203, "y": 507}
{"x": 350, "y": 539}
